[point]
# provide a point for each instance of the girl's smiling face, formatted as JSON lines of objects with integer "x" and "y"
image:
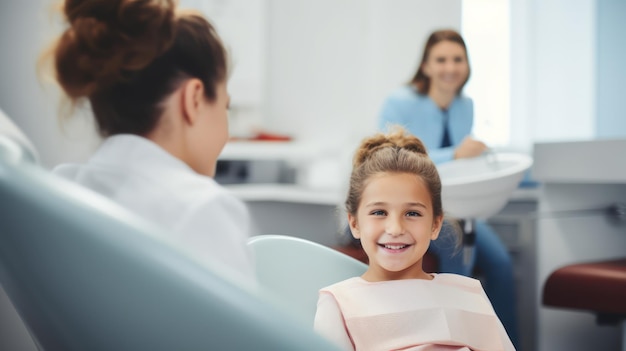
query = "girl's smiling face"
{"x": 395, "y": 224}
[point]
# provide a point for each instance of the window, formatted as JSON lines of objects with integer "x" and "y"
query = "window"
{"x": 485, "y": 28}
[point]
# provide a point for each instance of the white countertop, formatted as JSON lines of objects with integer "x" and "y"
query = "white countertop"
{"x": 323, "y": 196}
{"x": 272, "y": 150}
{"x": 287, "y": 193}
{"x": 322, "y": 169}
{"x": 593, "y": 161}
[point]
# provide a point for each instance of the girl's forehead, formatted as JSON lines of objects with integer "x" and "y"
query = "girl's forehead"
{"x": 395, "y": 189}
{"x": 393, "y": 180}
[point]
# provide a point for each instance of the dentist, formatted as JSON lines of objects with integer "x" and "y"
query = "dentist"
{"x": 155, "y": 80}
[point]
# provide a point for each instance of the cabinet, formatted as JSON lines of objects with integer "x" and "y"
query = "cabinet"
{"x": 580, "y": 179}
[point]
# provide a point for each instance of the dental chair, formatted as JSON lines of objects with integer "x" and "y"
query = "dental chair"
{"x": 84, "y": 274}
{"x": 293, "y": 270}
{"x": 15, "y": 144}
{"x": 596, "y": 287}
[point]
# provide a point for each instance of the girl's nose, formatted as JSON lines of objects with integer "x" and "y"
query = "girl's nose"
{"x": 394, "y": 227}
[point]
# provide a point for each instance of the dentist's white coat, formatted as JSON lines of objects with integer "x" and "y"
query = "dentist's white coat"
{"x": 199, "y": 213}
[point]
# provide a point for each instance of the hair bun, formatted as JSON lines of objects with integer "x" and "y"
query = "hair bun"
{"x": 397, "y": 139}
{"x": 109, "y": 38}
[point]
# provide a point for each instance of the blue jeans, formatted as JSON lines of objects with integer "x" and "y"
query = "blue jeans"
{"x": 494, "y": 263}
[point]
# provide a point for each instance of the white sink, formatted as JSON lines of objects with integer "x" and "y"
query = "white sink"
{"x": 480, "y": 187}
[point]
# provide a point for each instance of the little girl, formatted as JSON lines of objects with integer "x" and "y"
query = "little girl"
{"x": 394, "y": 207}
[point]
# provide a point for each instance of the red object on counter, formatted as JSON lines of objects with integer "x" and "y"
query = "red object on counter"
{"x": 271, "y": 137}
{"x": 264, "y": 136}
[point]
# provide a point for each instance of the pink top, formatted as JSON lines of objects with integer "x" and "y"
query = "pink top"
{"x": 450, "y": 312}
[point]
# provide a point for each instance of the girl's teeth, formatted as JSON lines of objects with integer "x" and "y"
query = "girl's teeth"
{"x": 395, "y": 247}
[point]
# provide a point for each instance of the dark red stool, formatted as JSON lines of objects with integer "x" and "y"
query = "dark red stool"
{"x": 597, "y": 287}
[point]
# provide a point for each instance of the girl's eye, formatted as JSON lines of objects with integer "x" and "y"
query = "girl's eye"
{"x": 378, "y": 213}
{"x": 440, "y": 59}
{"x": 458, "y": 59}
{"x": 413, "y": 214}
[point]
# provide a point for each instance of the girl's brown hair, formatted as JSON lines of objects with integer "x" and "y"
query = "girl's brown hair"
{"x": 397, "y": 152}
{"x": 126, "y": 56}
{"x": 420, "y": 80}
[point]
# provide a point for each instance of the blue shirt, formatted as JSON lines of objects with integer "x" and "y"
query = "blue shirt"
{"x": 420, "y": 116}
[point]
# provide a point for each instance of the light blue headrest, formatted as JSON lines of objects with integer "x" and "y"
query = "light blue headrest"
{"x": 14, "y": 145}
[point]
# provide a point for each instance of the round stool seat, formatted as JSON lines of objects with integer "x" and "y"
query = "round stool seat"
{"x": 595, "y": 286}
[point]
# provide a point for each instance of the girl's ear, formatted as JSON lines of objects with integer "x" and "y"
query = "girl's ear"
{"x": 354, "y": 226}
{"x": 437, "y": 224}
{"x": 192, "y": 95}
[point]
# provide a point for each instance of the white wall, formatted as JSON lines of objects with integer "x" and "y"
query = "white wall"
{"x": 26, "y": 28}
{"x": 325, "y": 65}
{"x": 486, "y": 30}
{"x": 243, "y": 28}
{"x": 331, "y": 64}
{"x": 553, "y": 63}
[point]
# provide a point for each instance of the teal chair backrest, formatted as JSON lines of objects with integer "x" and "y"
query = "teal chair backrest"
{"x": 14, "y": 147}
{"x": 293, "y": 270}
{"x": 84, "y": 274}
{"x": 15, "y": 144}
